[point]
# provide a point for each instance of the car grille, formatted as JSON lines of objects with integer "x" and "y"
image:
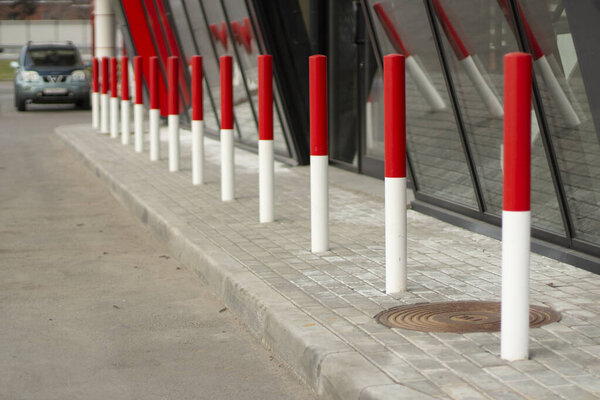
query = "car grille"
{"x": 55, "y": 78}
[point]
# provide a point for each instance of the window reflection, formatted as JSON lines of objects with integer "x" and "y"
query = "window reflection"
{"x": 244, "y": 39}
{"x": 565, "y": 100}
{"x": 432, "y": 137}
{"x": 476, "y": 35}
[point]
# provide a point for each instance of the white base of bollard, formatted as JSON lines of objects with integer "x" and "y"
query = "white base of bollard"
{"x": 95, "y": 110}
{"x": 227, "y": 165}
{"x": 485, "y": 92}
{"x": 138, "y": 122}
{"x": 154, "y": 134}
{"x": 395, "y": 235}
{"x": 197, "y": 152}
{"x": 104, "y": 113}
{"x": 319, "y": 203}
{"x": 173, "y": 143}
{"x": 266, "y": 181}
{"x": 424, "y": 84}
{"x": 514, "y": 335}
{"x": 559, "y": 96}
{"x": 125, "y": 131}
{"x": 114, "y": 117}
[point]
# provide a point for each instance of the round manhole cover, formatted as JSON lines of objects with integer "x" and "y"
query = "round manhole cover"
{"x": 458, "y": 316}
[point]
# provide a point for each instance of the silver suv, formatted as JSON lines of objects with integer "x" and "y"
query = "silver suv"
{"x": 51, "y": 73}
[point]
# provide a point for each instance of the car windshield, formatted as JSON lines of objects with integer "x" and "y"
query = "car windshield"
{"x": 52, "y": 57}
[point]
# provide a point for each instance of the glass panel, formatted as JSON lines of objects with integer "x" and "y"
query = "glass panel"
{"x": 475, "y": 36}
{"x": 209, "y": 62}
{"x": 432, "y": 137}
{"x": 189, "y": 48}
{"x": 247, "y": 49}
{"x": 565, "y": 100}
{"x": 219, "y": 34}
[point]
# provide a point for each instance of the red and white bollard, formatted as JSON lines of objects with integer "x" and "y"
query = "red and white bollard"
{"x": 319, "y": 158}
{"x": 95, "y": 95}
{"x": 197, "y": 122}
{"x": 138, "y": 108}
{"x": 395, "y": 172}
{"x": 266, "y": 157}
{"x": 466, "y": 60}
{"x": 154, "y": 110}
{"x": 104, "y": 98}
{"x": 114, "y": 99}
{"x": 516, "y": 214}
{"x": 227, "y": 153}
{"x": 125, "y": 102}
{"x": 173, "y": 80}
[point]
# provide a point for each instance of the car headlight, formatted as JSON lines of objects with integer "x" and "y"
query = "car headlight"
{"x": 30, "y": 76}
{"x": 78, "y": 75}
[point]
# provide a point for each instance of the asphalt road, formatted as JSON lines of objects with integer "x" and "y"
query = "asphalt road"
{"x": 91, "y": 305}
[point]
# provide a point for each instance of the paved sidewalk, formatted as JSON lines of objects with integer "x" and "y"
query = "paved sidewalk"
{"x": 316, "y": 310}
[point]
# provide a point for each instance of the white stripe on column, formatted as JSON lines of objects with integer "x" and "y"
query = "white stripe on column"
{"x": 485, "y": 92}
{"x": 114, "y": 117}
{"x": 138, "y": 111}
{"x": 154, "y": 134}
{"x": 95, "y": 110}
{"x": 227, "y": 165}
{"x": 125, "y": 110}
{"x": 197, "y": 152}
{"x": 515, "y": 285}
{"x": 395, "y": 235}
{"x": 559, "y": 96}
{"x": 424, "y": 84}
{"x": 319, "y": 203}
{"x": 104, "y": 113}
{"x": 266, "y": 181}
{"x": 173, "y": 121}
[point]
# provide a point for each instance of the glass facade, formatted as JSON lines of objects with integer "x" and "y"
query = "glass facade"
{"x": 454, "y": 53}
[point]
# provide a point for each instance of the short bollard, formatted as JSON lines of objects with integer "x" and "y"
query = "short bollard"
{"x": 173, "y": 79}
{"x": 114, "y": 99}
{"x": 138, "y": 108}
{"x": 395, "y": 173}
{"x": 227, "y": 153}
{"x": 197, "y": 122}
{"x": 266, "y": 173}
{"x": 319, "y": 158}
{"x": 95, "y": 95}
{"x": 516, "y": 214}
{"x": 104, "y": 98}
{"x": 125, "y": 102}
{"x": 154, "y": 110}
{"x": 466, "y": 60}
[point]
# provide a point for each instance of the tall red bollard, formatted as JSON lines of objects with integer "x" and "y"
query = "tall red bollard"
{"x": 395, "y": 173}
{"x": 138, "y": 108}
{"x": 266, "y": 156}
{"x": 125, "y": 102}
{"x": 104, "y": 98}
{"x": 227, "y": 153}
{"x": 197, "y": 122}
{"x": 95, "y": 95}
{"x": 319, "y": 158}
{"x": 154, "y": 110}
{"x": 516, "y": 214}
{"x": 114, "y": 99}
{"x": 173, "y": 80}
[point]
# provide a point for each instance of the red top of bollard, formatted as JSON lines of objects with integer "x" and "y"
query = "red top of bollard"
{"x": 265, "y": 97}
{"x": 124, "y": 79}
{"x": 390, "y": 29}
{"x": 197, "y": 100}
{"x": 317, "y": 66}
{"x": 226, "y": 93}
{"x": 114, "y": 92}
{"x": 138, "y": 68}
{"x": 455, "y": 41}
{"x": 154, "y": 76}
{"x": 394, "y": 115}
{"x": 517, "y": 132}
{"x": 95, "y": 75}
{"x": 173, "y": 71}
{"x": 105, "y": 77}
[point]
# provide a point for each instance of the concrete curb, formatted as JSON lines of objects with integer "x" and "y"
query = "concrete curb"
{"x": 323, "y": 360}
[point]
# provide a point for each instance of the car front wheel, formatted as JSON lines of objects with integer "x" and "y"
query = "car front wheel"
{"x": 20, "y": 104}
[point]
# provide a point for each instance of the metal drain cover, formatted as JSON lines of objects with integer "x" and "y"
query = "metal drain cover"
{"x": 458, "y": 316}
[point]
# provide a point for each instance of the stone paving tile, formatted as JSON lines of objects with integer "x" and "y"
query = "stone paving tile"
{"x": 342, "y": 289}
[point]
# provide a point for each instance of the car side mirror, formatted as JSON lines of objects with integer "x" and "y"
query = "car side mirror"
{"x": 14, "y": 64}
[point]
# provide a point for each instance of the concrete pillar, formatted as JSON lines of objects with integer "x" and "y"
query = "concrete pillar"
{"x": 104, "y": 25}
